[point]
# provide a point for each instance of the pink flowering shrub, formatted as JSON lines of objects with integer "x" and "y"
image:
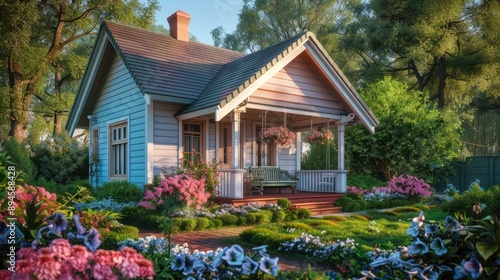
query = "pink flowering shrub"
{"x": 277, "y": 135}
{"x": 62, "y": 261}
{"x": 319, "y": 137}
{"x": 355, "y": 190}
{"x": 409, "y": 186}
{"x": 183, "y": 188}
{"x": 26, "y": 194}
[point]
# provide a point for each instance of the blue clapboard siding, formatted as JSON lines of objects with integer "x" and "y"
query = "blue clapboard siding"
{"x": 120, "y": 99}
{"x": 165, "y": 136}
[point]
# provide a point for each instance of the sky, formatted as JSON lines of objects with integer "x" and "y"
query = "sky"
{"x": 205, "y": 15}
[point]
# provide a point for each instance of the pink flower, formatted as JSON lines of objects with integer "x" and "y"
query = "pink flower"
{"x": 24, "y": 269}
{"x": 46, "y": 267}
{"x": 103, "y": 272}
{"x": 60, "y": 249}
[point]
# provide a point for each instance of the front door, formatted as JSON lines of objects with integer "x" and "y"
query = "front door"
{"x": 225, "y": 146}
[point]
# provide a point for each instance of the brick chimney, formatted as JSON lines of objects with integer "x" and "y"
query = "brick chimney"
{"x": 179, "y": 25}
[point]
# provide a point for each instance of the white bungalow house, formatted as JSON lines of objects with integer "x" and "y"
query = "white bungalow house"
{"x": 149, "y": 99}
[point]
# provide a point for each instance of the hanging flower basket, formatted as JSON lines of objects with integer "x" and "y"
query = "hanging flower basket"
{"x": 319, "y": 137}
{"x": 277, "y": 135}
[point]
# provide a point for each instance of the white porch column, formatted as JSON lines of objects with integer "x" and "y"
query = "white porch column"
{"x": 236, "y": 177}
{"x": 341, "y": 174}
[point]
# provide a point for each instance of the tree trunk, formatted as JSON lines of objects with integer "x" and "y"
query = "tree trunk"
{"x": 442, "y": 82}
{"x": 58, "y": 93}
{"x": 19, "y": 103}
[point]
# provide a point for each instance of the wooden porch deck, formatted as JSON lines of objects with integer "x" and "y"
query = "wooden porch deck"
{"x": 317, "y": 202}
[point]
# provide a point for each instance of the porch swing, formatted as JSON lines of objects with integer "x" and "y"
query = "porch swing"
{"x": 327, "y": 180}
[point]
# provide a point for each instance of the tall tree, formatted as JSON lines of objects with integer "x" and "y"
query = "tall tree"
{"x": 266, "y": 22}
{"x": 449, "y": 48}
{"x": 39, "y": 34}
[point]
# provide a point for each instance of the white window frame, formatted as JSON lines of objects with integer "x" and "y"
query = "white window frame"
{"x": 118, "y": 143}
{"x": 187, "y": 154}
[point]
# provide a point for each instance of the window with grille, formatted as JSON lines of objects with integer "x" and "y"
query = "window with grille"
{"x": 192, "y": 135}
{"x": 118, "y": 158}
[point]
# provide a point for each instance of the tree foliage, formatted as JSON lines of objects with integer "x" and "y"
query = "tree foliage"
{"x": 448, "y": 48}
{"x": 413, "y": 138}
{"x": 39, "y": 34}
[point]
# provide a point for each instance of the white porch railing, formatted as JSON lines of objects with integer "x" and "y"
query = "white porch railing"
{"x": 317, "y": 180}
{"x": 230, "y": 183}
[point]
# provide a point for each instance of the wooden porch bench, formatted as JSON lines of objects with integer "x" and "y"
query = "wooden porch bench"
{"x": 270, "y": 177}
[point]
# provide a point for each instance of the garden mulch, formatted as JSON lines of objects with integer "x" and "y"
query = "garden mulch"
{"x": 224, "y": 237}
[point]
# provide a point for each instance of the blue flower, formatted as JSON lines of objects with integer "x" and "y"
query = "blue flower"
{"x": 261, "y": 249}
{"x": 418, "y": 247}
{"x": 178, "y": 263}
{"x": 189, "y": 262}
{"x": 438, "y": 246}
{"x": 413, "y": 231}
{"x": 269, "y": 265}
{"x": 91, "y": 240}
{"x": 6, "y": 233}
{"x": 218, "y": 260}
{"x": 249, "y": 266}
{"x": 472, "y": 268}
{"x": 430, "y": 229}
{"x": 59, "y": 222}
{"x": 234, "y": 256}
{"x": 451, "y": 223}
{"x": 428, "y": 274}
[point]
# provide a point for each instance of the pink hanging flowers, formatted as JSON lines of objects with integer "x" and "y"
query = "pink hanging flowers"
{"x": 277, "y": 135}
{"x": 320, "y": 137}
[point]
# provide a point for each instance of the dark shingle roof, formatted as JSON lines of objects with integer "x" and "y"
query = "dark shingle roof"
{"x": 165, "y": 66}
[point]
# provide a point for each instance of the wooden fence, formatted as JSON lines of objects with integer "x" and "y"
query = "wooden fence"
{"x": 485, "y": 169}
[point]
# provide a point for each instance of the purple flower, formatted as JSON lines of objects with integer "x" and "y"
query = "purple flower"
{"x": 234, "y": 256}
{"x": 91, "y": 240}
{"x": 438, "y": 246}
{"x": 249, "y": 266}
{"x": 79, "y": 227}
{"x": 269, "y": 265}
{"x": 59, "y": 222}
{"x": 418, "y": 247}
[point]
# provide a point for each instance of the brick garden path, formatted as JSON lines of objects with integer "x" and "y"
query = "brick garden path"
{"x": 212, "y": 239}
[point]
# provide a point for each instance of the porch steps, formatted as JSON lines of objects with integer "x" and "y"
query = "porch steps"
{"x": 318, "y": 203}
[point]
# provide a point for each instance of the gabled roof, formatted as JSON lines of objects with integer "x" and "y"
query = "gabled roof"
{"x": 205, "y": 78}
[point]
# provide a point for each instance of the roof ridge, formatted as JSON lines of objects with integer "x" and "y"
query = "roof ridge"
{"x": 168, "y": 36}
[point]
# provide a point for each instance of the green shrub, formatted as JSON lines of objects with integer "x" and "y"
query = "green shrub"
{"x": 318, "y": 222}
{"x": 266, "y": 236}
{"x": 284, "y": 203}
{"x": 335, "y": 218}
{"x": 242, "y": 221}
{"x": 250, "y": 219}
{"x": 404, "y": 209}
{"x": 215, "y": 223}
{"x": 278, "y": 216}
{"x": 20, "y": 157}
{"x": 268, "y": 213}
{"x": 202, "y": 223}
{"x": 144, "y": 220}
{"x": 228, "y": 219}
{"x": 111, "y": 238}
{"x": 120, "y": 191}
{"x": 260, "y": 218}
{"x": 343, "y": 201}
{"x": 365, "y": 182}
{"x": 463, "y": 203}
{"x": 354, "y": 196}
{"x": 58, "y": 151}
{"x": 298, "y": 226}
{"x": 185, "y": 224}
{"x": 359, "y": 217}
{"x": 303, "y": 213}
